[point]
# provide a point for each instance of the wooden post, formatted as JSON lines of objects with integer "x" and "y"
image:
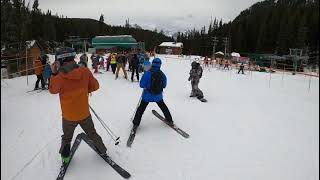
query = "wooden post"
{"x": 16, "y": 74}
{"x": 284, "y": 68}
{"x": 309, "y": 83}
{"x": 250, "y": 70}
{"x": 27, "y": 65}
{"x": 270, "y": 79}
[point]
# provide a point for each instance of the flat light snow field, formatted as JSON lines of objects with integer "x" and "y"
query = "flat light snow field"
{"x": 251, "y": 128}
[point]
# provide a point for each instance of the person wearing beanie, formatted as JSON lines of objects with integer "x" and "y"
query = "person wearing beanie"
{"x": 73, "y": 84}
{"x": 152, "y": 82}
{"x": 134, "y": 67}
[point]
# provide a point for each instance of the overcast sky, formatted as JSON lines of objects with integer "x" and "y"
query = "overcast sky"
{"x": 168, "y": 15}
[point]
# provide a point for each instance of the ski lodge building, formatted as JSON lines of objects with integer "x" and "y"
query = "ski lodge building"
{"x": 174, "y": 48}
{"x": 103, "y": 43}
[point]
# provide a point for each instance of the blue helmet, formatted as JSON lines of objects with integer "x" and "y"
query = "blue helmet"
{"x": 146, "y": 63}
{"x": 156, "y": 62}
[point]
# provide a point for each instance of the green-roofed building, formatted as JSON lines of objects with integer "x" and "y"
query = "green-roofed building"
{"x": 112, "y": 42}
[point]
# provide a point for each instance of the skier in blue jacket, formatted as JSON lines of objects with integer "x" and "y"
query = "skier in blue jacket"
{"x": 47, "y": 73}
{"x": 153, "y": 82}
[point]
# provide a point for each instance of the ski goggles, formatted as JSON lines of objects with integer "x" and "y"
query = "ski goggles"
{"x": 65, "y": 55}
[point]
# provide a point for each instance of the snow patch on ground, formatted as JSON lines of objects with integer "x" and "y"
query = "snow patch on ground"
{"x": 248, "y": 129}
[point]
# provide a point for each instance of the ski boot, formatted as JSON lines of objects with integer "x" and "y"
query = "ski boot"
{"x": 65, "y": 154}
{"x": 65, "y": 160}
{"x": 134, "y": 128}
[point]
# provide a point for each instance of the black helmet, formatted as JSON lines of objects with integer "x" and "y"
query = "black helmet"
{"x": 65, "y": 54}
{"x": 194, "y": 64}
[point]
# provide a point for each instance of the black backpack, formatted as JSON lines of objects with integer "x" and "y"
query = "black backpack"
{"x": 156, "y": 82}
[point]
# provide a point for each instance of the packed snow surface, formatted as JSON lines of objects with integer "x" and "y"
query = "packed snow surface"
{"x": 253, "y": 127}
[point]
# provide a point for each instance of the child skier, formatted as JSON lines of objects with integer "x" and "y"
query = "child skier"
{"x": 73, "y": 83}
{"x": 195, "y": 75}
{"x": 94, "y": 60}
{"x": 84, "y": 58}
{"x": 47, "y": 73}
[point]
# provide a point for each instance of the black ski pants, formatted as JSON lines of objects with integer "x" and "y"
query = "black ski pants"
{"x": 134, "y": 70}
{"x": 142, "y": 107}
{"x": 40, "y": 78}
{"x": 241, "y": 69}
{"x": 108, "y": 66}
{"x": 113, "y": 67}
{"x": 87, "y": 125}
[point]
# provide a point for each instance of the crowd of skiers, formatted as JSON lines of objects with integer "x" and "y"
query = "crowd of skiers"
{"x": 136, "y": 61}
{"x": 117, "y": 61}
{"x": 224, "y": 64}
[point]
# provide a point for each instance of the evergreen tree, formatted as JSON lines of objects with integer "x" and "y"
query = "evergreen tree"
{"x": 35, "y": 5}
{"x": 101, "y": 22}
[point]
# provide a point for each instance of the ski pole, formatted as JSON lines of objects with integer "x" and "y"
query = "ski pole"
{"x": 104, "y": 125}
{"x": 113, "y": 136}
{"x": 109, "y": 131}
{"x": 135, "y": 111}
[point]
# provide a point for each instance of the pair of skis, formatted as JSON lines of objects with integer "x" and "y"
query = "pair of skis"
{"x": 115, "y": 166}
{"x": 75, "y": 146}
{"x": 173, "y": 126}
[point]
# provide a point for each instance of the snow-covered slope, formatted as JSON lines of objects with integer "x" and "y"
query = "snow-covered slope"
{"x": 246, "y": 130}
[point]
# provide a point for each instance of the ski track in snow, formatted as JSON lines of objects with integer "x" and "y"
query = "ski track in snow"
{"x": 248, "y": 129}
{"x": 31, "y": 160}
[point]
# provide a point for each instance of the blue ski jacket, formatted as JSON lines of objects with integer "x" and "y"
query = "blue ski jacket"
{"x": 47, "y": 71}
{"x": 145, "y": 83}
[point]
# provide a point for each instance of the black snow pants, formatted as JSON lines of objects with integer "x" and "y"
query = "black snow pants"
{"x": 134, "y": 70}
{"x": 40, "y": 78}
{"x": 87, "y": 125}
{"x": 142, "y": 107}
{"x": 108, "y": 66}
{"x": 113, "y": 67}
{"x": 241, "y": 69}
